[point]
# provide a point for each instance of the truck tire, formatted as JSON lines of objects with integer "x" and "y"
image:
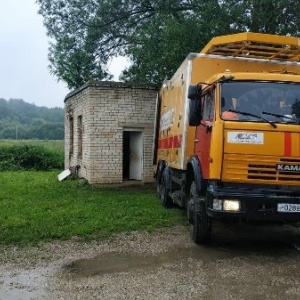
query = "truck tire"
{"x": 165, "y": 199}
{"x": 159, "y": 179}
{"x": 158, "y": 187}
{"x": 200, "y": 222}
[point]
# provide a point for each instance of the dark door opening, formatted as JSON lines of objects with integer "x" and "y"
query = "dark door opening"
{"x": 126, "y": 155}
{"x": 132, "y": 155}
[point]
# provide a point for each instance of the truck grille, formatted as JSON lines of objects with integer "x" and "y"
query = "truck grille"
{"x": 265, "y": 172}
{"x": 269, "y": 172}
{"x": 259, "y": 169}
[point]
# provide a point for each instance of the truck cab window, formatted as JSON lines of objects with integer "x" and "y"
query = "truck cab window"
{"x": 250, "y": 100}
{"x": 208, "y": 106}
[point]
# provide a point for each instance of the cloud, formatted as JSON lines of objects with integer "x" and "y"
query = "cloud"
{"x": 24, "y": 72}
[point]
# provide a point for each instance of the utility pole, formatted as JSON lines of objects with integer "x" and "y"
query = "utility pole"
{"x": 16, "y": 131}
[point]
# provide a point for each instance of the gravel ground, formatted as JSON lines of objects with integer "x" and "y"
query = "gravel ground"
{"x": 249, "y": 263}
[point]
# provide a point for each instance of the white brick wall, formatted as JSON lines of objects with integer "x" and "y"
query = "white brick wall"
{"x": 107, "y": 109}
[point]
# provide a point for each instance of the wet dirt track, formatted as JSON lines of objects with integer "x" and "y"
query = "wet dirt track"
{"x": 249, "y": 262}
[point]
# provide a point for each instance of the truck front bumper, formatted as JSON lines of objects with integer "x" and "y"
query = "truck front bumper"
{"x": 254, "y": 204}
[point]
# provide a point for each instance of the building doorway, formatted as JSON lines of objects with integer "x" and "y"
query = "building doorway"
{"x": 132, "y": 155}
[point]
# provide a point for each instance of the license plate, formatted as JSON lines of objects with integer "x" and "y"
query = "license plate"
{"x": 288, "y": 208}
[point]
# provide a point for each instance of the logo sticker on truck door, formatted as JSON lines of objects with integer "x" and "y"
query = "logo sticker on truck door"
{"x": 245, "y": 137}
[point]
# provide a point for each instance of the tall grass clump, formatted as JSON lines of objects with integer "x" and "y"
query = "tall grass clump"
{"x": 30, "y": 157}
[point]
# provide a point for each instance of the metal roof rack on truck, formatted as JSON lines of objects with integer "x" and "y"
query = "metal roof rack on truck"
{"x": 255, "y": 45}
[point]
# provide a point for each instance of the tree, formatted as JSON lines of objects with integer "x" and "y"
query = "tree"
{"x": 155, "y": 34}
{"x": 266, "y": 16}
{"x": 160, "y": 45}
{"x": 72, "y": 56}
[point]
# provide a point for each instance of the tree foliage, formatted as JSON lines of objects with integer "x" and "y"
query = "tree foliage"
{"x": 155, "y": 34}
{"x": 21, "y": 120}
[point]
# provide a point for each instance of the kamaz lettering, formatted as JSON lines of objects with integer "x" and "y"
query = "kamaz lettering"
{"x": 295, "y": 168}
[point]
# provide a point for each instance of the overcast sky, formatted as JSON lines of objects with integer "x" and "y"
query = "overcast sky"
{"x": 24, "y": 72}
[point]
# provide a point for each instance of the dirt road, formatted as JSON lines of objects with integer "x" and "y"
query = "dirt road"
{"x": 251, "y": 262}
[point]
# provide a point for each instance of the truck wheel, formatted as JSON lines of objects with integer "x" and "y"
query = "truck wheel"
{"x": 158, "y": 187}
{"x": 165, "y": 200}
{"x": 200, "y": 222}
{"x": 160, "y": 170}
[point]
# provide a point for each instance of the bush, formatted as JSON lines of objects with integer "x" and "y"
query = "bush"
{"x": 30, "y": 157}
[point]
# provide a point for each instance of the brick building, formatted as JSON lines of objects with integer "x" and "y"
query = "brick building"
{"x": 109, "y": 129}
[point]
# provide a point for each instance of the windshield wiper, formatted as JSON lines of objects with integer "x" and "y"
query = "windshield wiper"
{"x": 253, "y": 115}
{"x": 282, "y": 116}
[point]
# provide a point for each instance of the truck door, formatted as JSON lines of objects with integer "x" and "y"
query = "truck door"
{"x": 203, "y": 131}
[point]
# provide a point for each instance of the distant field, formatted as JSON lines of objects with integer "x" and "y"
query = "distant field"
{"x": 52, "y": 144}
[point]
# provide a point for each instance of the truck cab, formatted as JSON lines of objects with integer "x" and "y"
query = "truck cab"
{"x": 229, "y": 133}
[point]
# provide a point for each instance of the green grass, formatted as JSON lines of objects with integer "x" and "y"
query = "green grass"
{"x": 36, "y": 207}
{"x": 50, "y": 144}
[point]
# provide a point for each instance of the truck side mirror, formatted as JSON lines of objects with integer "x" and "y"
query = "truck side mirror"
{"x": 194, "y": 94}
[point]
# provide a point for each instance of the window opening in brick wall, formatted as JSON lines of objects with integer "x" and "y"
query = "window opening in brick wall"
{"x": 71, "y": 126}
{"x": 79, "y": 130}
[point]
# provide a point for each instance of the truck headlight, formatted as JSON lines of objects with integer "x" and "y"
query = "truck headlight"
{"x": 231, "y": 205}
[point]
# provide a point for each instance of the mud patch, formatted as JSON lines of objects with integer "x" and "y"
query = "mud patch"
{"x": 238, "y": 242}
{"x": 241, "y": 262}
{"x": 107, "y": 263}
{"x": 125, "y": 262}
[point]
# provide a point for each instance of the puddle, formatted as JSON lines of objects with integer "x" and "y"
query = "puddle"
{"x": 22, "y": 286}
{"x": 234, "y": 255}
{"x": 226, "y": 244}
{"x": 125, "y": 262}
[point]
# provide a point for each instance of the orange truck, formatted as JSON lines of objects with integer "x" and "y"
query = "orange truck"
{"x": 228, "y": 132}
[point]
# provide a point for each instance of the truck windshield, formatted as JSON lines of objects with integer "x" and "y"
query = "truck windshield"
{"x": 260, "y": 101}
